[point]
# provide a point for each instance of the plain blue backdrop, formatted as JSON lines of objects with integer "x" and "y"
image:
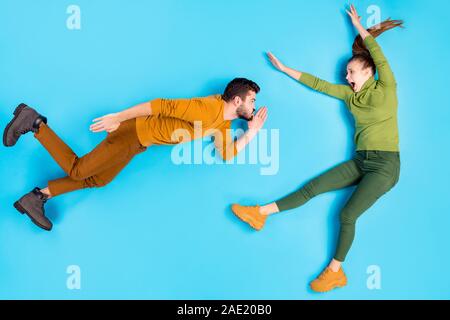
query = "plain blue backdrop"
{"x": 162, "y": 231}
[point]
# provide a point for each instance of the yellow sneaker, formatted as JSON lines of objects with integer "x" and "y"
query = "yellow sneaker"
{"x": 329, "y": 280}
{"x": 250, "y": 215}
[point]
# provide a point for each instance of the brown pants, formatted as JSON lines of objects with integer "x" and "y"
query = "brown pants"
{"x": 98, "y": 167}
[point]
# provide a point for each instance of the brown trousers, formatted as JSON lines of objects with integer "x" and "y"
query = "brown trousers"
{"x": 98, "y": 167}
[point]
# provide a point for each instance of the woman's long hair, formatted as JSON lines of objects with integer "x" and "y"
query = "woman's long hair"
{"x": 359, "y": 50}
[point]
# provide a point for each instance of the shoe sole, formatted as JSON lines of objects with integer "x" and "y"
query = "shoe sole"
{"x": 16, "y": 113}
{"x": 23, "y": 211}
{"x": 334, "y": 286}
{"x": 248, "y": 220}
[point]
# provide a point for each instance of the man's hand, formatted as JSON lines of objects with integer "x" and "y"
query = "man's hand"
{"x": 108, "y": 123}
{"x": 276, "y": 63}
{"x": 253, "y": 127}
{"x": 258, "y": 120}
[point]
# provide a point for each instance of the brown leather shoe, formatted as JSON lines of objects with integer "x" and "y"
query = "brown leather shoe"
{"x": 32, "y": 204}
{"x": 25, "y": 119}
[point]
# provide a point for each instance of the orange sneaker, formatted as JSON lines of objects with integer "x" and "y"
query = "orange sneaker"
{"x": 329, "y": 280}
{"x": 250, "y": 215}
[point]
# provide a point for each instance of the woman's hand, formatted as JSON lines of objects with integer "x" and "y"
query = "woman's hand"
{"x": 276, "y": 63}
{"x": 356, "y": 20}
{"x": 279, "y": 66}
{"x": 108, "y": 123}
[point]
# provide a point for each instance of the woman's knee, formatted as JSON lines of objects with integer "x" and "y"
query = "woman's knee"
{"x": 348, "y": 217}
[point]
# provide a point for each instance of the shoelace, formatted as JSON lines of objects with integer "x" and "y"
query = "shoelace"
{"x": 23, "y": 131}
{"x": 324, "y": 273}
{"x": 259, "y": 216}
{"x": 44, "y": 200}
{"x": 41, "y": 196}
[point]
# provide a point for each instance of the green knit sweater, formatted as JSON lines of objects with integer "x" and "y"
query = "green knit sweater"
{"x": 374, "y": 107}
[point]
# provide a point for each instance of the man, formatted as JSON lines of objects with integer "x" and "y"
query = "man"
{"x": 130, "y": 132}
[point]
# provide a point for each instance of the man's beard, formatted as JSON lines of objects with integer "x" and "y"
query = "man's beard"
{"x": 240, "y": 111}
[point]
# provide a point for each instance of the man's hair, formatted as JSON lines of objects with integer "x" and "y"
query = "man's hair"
{"x": 239, "y": 87}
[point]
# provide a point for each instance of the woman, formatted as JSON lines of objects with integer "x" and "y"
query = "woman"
{"x": 376, "y": 166}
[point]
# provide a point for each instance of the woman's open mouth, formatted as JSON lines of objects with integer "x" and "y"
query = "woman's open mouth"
{"x": 353, "y": 85}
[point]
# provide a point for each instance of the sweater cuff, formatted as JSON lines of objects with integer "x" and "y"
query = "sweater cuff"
{"x": 369, "y": 41}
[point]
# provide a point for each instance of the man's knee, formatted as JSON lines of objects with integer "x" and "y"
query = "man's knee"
{"x": 80, "y": 172}
{"x": 77, "y": 171}
{"x": 96, "y": 182}
{"x": 77, "y": 175}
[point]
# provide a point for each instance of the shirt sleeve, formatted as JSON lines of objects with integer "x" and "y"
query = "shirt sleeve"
{"x": 189, "y": 110}
{"x": 339, "y": 91}
{"x": 385, "y": 74}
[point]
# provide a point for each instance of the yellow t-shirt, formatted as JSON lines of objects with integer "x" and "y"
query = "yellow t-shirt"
{"x": 180, "y": 120}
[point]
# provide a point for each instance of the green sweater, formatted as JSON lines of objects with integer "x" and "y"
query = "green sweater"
{"x": 374, "y": 107}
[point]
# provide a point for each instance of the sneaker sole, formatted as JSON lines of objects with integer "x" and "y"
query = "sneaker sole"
{"x": 247, "y": 220}
{"x": 16, "y": 113}
{"x": 23, "y": 211}
{"x": 334, "y": 286}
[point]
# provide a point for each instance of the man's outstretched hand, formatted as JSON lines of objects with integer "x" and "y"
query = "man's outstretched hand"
{"x": 108, "y": 123}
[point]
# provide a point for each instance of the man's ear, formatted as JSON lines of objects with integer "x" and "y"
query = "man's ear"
{"x": 237, "y": 100}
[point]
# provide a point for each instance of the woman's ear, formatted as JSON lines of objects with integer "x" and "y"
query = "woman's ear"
{"x": 368, "y": 72}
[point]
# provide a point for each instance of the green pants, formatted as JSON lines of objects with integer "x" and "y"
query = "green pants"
{"x": 374, "y": 173}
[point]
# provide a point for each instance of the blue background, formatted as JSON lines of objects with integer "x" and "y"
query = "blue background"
{"x": 162, "y": 231}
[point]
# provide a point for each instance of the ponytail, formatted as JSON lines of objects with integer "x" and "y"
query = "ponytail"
{"x": 359, "y": 50}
